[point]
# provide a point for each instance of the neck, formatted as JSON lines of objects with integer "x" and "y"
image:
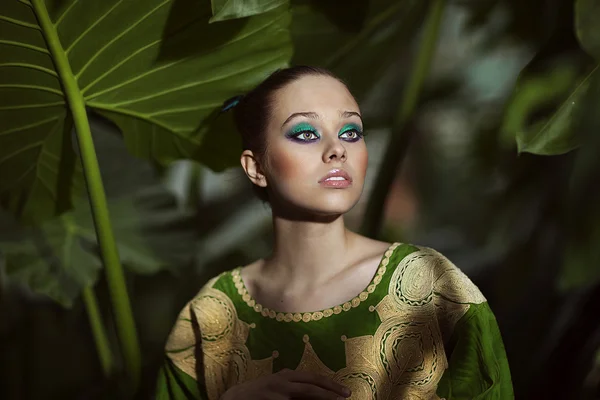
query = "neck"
{"x": 308, "y": 253}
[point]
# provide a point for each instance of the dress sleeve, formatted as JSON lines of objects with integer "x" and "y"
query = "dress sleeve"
{"x": 174, "y": 384}
{"x": 181, "y": 376}
{"x": 477, "y": 363}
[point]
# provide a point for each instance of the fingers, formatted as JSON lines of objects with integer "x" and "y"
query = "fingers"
{"x": 316, "y": 380}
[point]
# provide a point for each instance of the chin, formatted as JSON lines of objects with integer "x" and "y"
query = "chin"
{"x": 327, "y": 202}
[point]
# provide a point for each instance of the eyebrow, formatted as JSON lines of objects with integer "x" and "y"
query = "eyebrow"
{"x": 314, "y": 115}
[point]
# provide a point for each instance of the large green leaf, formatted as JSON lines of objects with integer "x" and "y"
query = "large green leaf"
{"x": 587, "y": 15}
{"x": 61, "y": 257}
{"x": 359, "y": 41}
{"x": 231, "y": 9}
{"x": 540, "y": 112}
{"x": 156, "y": 68}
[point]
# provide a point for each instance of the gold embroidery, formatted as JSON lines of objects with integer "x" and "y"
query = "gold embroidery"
{"x": 454, "y": 289}
{"x": 404, "y": 358}
{"x": 311, "y": 362}
{"x": 316, "y": 315}
{"x": 226, "y": 359}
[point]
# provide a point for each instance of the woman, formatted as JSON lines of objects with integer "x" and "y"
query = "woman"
{"x": 329, "y": 314}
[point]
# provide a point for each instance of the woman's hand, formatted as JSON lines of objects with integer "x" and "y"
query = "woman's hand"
{"x": 287, "y": 384}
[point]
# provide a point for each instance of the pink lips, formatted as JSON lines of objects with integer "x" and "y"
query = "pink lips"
{"x": 336, "y": 174}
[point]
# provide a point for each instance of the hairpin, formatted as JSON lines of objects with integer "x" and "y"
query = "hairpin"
{"x": 230, "y": 103}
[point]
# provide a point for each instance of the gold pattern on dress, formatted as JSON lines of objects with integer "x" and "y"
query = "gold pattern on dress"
{"x": 315, "y": 315}
{"x": 312, "y": 363}
{"x": 403, "y": 359}
{"x": 226, "y": 359}
{"x": 363, "y": 374}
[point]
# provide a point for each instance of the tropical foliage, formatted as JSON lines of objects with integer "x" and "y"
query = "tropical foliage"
{"x": 98, "y": 99}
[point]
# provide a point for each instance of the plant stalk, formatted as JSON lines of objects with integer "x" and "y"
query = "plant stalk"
{"x": 99, "y": 332}
{"x": 400, "y": 140}
{"x": 114, "y": 272}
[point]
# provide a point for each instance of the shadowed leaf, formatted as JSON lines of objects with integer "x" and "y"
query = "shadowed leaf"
{"x": 540, "y": 113}
{"x": 156, "y": 68}
{"x": 587, "y": 15}
{"x": 61, "y": 256}
{"x": 230, "y": 9}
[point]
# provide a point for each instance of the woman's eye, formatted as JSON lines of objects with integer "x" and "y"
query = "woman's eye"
{"x": 306, "y": 136}
{"x": 352, "y": 134}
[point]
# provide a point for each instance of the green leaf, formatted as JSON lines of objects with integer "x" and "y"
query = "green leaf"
{"x": 587, "y": 15}
{"x": 540, "y": 113}
{"x": 357, "y": 46}
{"x": 61, "y": 257}
{"x": 223, "y": 10}
{"x": 581, "y": 266}
{"x": 156, "y": 68}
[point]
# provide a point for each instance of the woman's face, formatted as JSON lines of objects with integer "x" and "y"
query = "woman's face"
{"x": 315, "y": 128}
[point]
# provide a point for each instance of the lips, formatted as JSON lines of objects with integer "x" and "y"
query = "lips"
{"x": 336, "y": 173}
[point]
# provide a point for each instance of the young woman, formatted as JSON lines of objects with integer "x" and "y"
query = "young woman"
{"x": 329, "y": 314}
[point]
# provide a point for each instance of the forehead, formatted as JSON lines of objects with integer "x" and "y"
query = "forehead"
{"x": 317, "y": 93}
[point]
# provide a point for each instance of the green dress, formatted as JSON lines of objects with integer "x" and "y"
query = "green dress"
{"x": 420, "y": 330}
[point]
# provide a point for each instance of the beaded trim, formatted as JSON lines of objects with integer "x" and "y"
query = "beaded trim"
{"x": 314, "y": 315}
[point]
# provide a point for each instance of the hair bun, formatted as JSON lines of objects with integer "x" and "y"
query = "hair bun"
{"x": 230, "y": 103}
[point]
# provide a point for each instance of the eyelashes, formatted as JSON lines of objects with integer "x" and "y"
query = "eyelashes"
{"x": 305, "y": 133}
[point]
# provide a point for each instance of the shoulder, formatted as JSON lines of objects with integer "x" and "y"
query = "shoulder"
{"x": 426, "y": 268}
{"x": 188, "y": 325}
{"x": 196, "y": 322}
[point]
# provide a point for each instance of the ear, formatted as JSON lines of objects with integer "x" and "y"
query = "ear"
{"x": 253, "y": 169}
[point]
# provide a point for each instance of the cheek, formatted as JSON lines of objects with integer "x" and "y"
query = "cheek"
{"x": 288, "y": 165}
{"x": 361, "y": 158}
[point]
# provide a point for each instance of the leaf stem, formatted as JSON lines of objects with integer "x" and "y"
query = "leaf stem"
{"x": 99, "y": 331}
{"x": 114, "y": 272}
{"x": 400, "y": 140}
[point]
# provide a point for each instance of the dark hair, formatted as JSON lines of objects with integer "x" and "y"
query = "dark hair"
{"x": 252, "y": 111}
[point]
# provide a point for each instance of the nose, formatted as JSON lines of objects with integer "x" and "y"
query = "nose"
{"x": 335, "y": 150}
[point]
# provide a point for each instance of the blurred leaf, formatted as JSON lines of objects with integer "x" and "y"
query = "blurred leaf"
{"x": 231, "y": 9}
{"x": 358, "y": 52}
{"x": 61, "y": 256}
{"x": 349, "y": 18}
{"x": 581, "y": 266}
{"x": 156, "y": 68}
{"x": 50, "y": 260}
{"x": 531, "y": 21}
{"x": 587, "y": 15}
{"x": 540, "y": 112}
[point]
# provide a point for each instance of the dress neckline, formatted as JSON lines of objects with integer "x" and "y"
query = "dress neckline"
{"x": 314, "y": 315}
